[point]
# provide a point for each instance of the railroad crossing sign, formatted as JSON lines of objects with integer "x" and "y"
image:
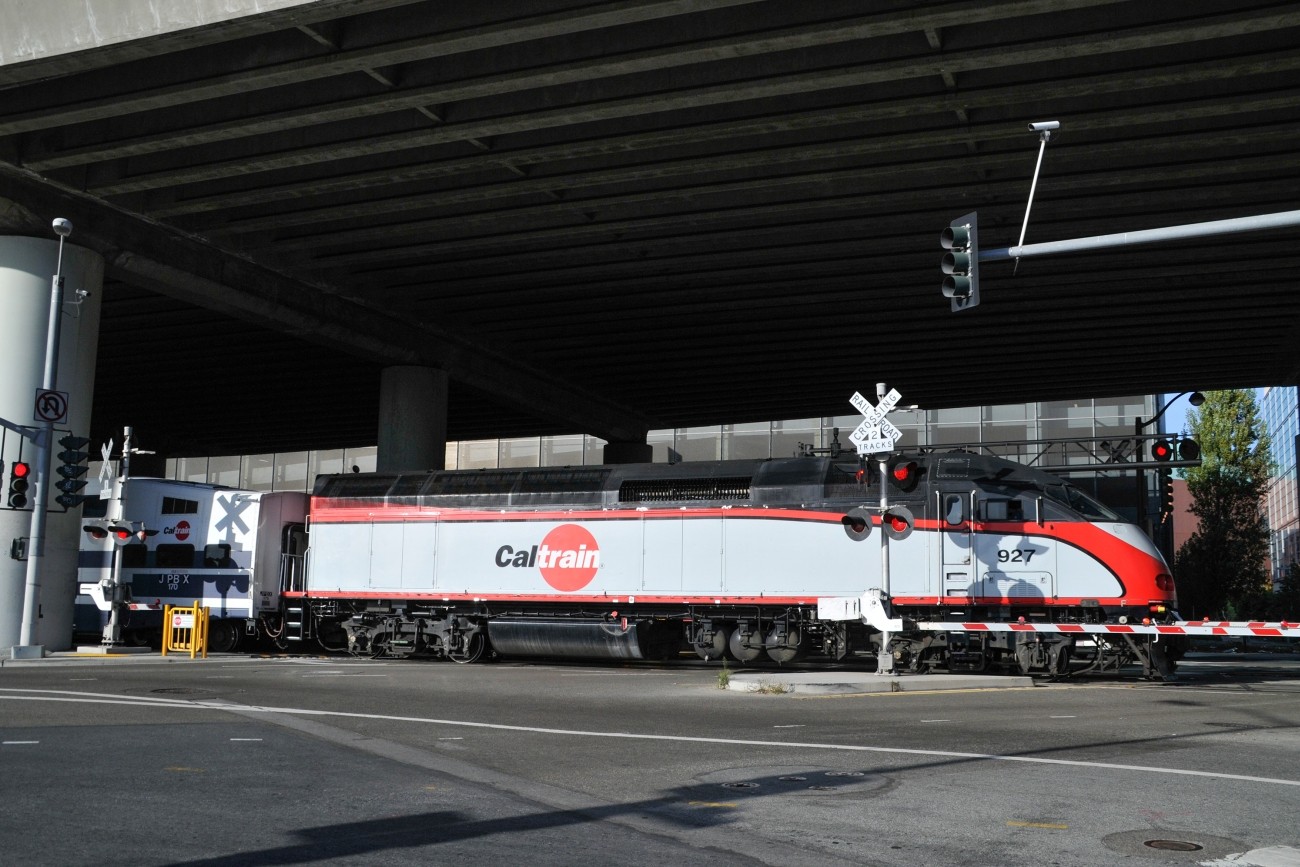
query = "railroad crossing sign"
{"x": 876, "y": 434}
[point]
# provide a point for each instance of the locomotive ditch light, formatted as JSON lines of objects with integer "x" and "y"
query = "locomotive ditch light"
{"x": 898, "y": 522}
{"x": 905, "y": 474}
{"x": 1161, "y": 450}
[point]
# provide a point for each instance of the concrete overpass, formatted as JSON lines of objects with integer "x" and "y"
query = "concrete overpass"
{"x": 608, "y": 217}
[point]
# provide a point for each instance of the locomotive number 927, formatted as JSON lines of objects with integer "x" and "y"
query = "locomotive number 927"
{"x": 729, "y": 559}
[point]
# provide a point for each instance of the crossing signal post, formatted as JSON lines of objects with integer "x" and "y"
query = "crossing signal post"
{"x": 961, "y": 282}
{"x": 71, "y": 471}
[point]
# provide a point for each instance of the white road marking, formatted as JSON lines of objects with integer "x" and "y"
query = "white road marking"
{"x": 218, "y": 704}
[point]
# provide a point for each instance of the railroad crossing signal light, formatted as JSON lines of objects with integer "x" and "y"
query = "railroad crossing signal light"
{"x": 961, "y": 283}
{"x": 72, "y": 470}
{"x": 19, "y": 481}
{"x": 95, "y": 532}
{"x": 1162, "y": 450}
{"x": 1188, "y": 450}
{"x": 857, "y": 523}
{"x": 905, "y": 475}
{"x": 898, "y": 522}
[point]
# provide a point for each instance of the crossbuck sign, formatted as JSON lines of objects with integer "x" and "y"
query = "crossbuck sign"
{"x": 875, "y": 434}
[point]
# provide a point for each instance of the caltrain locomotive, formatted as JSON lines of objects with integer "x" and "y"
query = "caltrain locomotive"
{"x": 726, "y": 558}
{"x": 729, "y": 558}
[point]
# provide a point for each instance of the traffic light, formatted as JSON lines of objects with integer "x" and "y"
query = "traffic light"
{"x": 1167, "y": 491}
{"x": 1188, "y": 450}
{"x": 904, "y": 475}
{"x": 19, "y": 481}
{"x": 961, "y": 262}
{"x": 71, "y": 471}
{"x": 1162, "y": 450}
{"x": 898, "y": 522}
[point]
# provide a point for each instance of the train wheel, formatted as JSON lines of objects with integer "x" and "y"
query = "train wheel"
{"x": 745, "y": 645}
{"x": 223, "y": 636}
{"x": 475, "y": 646}
{"x": 379, "y": 643}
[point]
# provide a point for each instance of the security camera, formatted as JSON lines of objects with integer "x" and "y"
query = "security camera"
{"x": 1044, "y": 125}
{"x": 83, "y": 293}
{"x": 62, "y": 227}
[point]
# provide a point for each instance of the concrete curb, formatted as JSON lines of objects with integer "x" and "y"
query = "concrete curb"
{"x": 857, "y": 682}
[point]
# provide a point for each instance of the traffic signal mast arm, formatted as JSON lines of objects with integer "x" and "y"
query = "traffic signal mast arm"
{"x": 1262, "y": 222}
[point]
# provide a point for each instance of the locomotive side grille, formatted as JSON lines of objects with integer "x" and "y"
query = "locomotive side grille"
{"x": 673, "y": 490}
{"x": 355, "y": 486}
{"x": 481, "y": 482}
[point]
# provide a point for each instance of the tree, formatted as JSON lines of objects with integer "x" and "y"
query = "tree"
{"x": 1222, "y": 566}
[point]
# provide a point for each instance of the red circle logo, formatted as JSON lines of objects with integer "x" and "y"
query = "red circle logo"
{"x": 182, "y": 531}
{"x": 568, "y": 557}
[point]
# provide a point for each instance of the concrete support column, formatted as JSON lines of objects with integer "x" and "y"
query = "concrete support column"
{"x": 27, "y": 268}
{"x": 629, "y": 453}
{"x": 412, "y": 419}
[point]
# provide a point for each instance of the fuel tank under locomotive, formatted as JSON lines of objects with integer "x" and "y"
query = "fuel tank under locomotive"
{"x": 576, "y": 638}
{"x": 461, "y": 637}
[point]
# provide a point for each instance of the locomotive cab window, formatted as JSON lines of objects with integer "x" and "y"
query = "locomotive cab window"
{"x": 174, "y": 556}
{"x": 1002, "y": 510}
{"x": 954, "y": 509}
{"x": 1086, "y": 506}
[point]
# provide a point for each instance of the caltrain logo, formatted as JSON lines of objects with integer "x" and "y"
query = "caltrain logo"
{"x": 567, "y": 558}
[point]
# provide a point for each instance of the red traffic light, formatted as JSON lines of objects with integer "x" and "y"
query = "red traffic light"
{"x": 1161, "y": 450}
{"x": 18, "y": 484}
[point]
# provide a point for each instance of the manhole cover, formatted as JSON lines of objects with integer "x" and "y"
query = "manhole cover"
{"x": 1174, "y": 845}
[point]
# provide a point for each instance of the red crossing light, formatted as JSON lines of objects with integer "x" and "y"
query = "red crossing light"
{"x": 905, "y": 474}
{"x": 1161, "y": 450}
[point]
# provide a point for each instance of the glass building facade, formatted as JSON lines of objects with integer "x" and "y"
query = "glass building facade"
{"x": 1280, "y": 410}
{"x": 1009, "y": 424}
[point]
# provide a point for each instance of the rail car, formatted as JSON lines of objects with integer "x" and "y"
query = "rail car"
{"x": 729, "y": 559}
{"x": 160, "y": 542}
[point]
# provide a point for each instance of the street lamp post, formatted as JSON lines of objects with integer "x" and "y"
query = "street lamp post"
{"x": 1139, "y": 425}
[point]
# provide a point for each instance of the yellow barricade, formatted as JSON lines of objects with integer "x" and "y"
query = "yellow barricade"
{"x": 185, "y": 628}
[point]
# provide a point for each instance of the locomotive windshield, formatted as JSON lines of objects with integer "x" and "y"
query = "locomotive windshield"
{"x": 1080, "y": 502}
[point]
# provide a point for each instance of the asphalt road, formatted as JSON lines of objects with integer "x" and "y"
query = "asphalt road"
{"x": 239, "y": 760}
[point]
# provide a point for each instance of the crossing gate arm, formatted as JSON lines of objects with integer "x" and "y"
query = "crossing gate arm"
{"x": 875, "y": 612}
